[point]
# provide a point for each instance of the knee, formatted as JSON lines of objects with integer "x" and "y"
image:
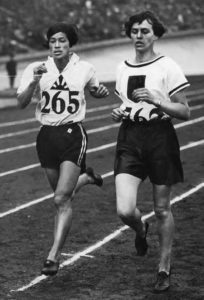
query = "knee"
{"x": 162, "y": 212}
{"x": 122, "y": 213}
{"x": 62, "y": 199}
{"x": 126, "y": 214}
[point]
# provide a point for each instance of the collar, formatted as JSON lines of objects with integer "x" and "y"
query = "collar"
{"x": 74, "y": 58}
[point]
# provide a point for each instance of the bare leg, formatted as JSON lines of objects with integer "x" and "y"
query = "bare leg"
{"x": 83, "y": 180}
{"x": 68, "y": 177}
{"x": 126, "y": 196}
{"x": 165, "y": 224}
{"x": 53, "y": 176}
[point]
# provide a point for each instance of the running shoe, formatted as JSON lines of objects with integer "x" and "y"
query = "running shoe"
{"x": 98, "y": 180}
{"x": 163, "y": 282}
{"x": 50, "y": 268}
{"x": 141, "y": 242}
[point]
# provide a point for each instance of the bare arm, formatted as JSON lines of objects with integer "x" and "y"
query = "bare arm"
{"x": 99, "y": 92}
{"x": 25, "y": 97}
{"x": 178, "y": 108}
{"x": 117, "y": 114}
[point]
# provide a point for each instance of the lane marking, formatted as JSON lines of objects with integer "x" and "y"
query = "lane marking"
{"x": 30, "y": 120}
{"x": 195, "y": 107}
{"x": 89, "y": 119}
{"x": 107, "y": 239}
{"x": 106, "y": 146}
{"x": 25, "y": 168}
{"x": 192, "y": 144}
{"x": 39, "y": 200}
{"x": 190, "y": 122}
{"x": 10, "y": 149}
{"x": 72, "y": 254}
{"x": 194, "y": 95}
{"x": 36, "y": 129}
{"x": 99, "y": 129}
{"x": 19, "y": 169}
{"x": 36, "y": 201}
{"x": 25, "y": 146}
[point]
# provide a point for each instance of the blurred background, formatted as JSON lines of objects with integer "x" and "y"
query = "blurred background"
{"x": 23, "y": 25}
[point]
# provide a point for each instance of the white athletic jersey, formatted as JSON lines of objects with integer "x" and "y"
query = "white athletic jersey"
{"x": 61, "y": 96}
{"x": 161, "y": 76}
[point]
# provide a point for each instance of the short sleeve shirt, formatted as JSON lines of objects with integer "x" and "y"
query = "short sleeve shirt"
{"x": 60, "y": 95}
{"x": 161, "y": 76}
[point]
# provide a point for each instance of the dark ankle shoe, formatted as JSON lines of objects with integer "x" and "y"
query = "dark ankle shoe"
{"x": 141, "y": 242}
{"x": 163, "y": 282}
{"x": 98, "y": 180}
{"x": 50, "y": 268}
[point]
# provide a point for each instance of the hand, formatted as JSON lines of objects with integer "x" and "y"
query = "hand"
{"x": 117, "y": 114}
{"x": 38, "y": 72}
{"x": 99, "y": 92}
{"x": 143, "y": 94}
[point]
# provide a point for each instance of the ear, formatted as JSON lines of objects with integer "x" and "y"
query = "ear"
{"x": 155, "y": 37}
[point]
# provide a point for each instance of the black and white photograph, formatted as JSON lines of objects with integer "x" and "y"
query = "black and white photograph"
{"x": 101, "y": 149}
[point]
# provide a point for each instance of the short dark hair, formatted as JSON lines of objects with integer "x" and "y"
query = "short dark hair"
{"x": 70, "y": 30}
{"x": 157, "y": 26}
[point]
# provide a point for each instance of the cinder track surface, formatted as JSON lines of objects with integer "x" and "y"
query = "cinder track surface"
{"x": 111, "y": 269}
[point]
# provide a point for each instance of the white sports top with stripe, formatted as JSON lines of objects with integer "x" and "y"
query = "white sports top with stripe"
{"x": 161, "y": 76}
{"x": 60, "y": 96}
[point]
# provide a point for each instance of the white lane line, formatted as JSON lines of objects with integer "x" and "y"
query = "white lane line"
{"x": 107, "y": 239}
{"x": 193, "y": 144}
{"x": 103, "y": 147}
{"x": 194, "y": 95}
{"x": 36, "y": 201}
{"x": 10, "y": 149}
{"x": 25, "y": 168}
{"x": 89, "y": 119}
{"x": 19, "y": 170}
{"x": 27, "y": 131}
{"x": 29, "y": 204}
{"x": 13, "y": 123}
{"x": 103, "y": 128}
{"x": 30, "y": 120}
{"x": 100, "y": 108}
{"x": 190, "y": 122}
{"x": 72, "y": 254}
{"x": 11, "y": 134}
{"x": 11, "y": 211}
{"x": 195, "y": 107}
{"x": 91, "y": 131}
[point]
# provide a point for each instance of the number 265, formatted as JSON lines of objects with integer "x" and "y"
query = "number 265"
{"x": 58, "y": 104}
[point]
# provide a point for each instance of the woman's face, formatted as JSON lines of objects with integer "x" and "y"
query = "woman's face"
{"x": 59, "y": 45}
{"x": 143, "y": 36}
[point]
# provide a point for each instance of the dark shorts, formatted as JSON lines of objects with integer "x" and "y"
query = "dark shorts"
{"x": 56, "y": 144}
{"x": 149, "y": 150}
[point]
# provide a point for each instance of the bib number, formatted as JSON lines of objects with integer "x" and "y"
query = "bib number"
{"x": 58, "y": 104}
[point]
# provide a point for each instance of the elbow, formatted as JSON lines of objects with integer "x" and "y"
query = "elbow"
{"x": 186, "y": 116}
{"x": 20, "y": 104}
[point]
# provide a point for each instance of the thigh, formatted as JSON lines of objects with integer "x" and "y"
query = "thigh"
{"x": 53, "y": 176}
{"x": 126, "y": 191}
{"x": 68, "y": 177}
{"x": 161, "y": 196}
